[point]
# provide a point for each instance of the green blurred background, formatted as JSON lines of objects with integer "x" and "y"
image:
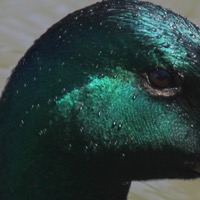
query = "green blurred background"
{"x": 23, "y": 21}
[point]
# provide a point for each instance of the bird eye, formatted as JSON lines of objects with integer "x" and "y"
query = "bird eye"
{"x": 160, "y": 78}
{"x": 163, "y": 82}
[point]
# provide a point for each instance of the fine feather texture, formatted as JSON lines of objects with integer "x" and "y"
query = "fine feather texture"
{"x": 80, "y": 113}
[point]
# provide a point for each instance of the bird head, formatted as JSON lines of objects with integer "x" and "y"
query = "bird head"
{"x": 114, "y": 85}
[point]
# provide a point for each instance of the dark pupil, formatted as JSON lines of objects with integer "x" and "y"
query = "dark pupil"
{"x": 160, "y": 78}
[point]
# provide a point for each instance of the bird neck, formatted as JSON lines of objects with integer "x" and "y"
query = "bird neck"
{"x": 102, "y": 192}
{"x": 97, "y": 188}
{"x": 93, "y": 181}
